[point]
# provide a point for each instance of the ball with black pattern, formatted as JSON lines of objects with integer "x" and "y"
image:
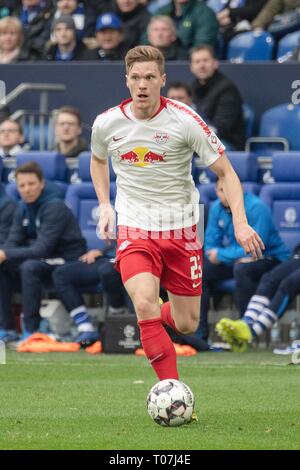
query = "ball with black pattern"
{"x": 170, "y": 403}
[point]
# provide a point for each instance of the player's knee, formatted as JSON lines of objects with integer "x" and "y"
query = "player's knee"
{"x": 145, "y": 308}
{"x": 189, "y": 324}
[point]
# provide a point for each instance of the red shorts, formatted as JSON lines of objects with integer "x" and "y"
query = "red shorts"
{"x": 174, "y": 256}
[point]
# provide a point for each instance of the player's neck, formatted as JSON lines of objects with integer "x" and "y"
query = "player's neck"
{"x": 144, "y": 113}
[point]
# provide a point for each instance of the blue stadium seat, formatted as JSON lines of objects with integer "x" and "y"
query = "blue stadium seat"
{"x": 53, "y": 164}
{"x": 244, "y": 163}
{"x": 82, "y": 200}
{"x": 282, "y": 121}
{"x": 84, "y": 159}
{"x": 249, "y": 118}
{"x": 283, "y": 196}
{"x": 250, "y": 46}
{"x": 287, "y": 45}
{"x": 286, "y": 166}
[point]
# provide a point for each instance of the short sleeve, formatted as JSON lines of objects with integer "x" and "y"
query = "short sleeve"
{"x": 98, "y": 145}
{"x": 202, "y": 140}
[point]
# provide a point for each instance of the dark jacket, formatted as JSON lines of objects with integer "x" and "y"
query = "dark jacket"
{"x": 135, "y": 23}
{"x": 113, "y": 54}
{"x": 197, "y": 25}
{"x": 7, "y": 210}
{"x": 175, "y": 52}
{"x": 45, "y": 229}
{"x": 82, "y": 146}
{"x": 37, "y": 32}
{"x": 81, "y": 52}
{"x": 219, "y": 103}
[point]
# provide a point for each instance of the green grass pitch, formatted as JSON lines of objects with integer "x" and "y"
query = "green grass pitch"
{"x": 78, "y": 401}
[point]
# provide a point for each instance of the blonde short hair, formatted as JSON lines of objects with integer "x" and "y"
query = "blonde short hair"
{"x": 144, "y": 54}
{"x": 12, "y": 23}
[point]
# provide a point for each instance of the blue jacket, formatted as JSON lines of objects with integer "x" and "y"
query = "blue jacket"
{"x": 220, "y": 233}
{"x": 45, "y": 229}
{"x": 7, "y": 209}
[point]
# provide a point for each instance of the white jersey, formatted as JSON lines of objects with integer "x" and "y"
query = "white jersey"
{"x": 152, "y": 161}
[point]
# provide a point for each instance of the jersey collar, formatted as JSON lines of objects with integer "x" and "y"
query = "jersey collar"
{"x": 163, "y": 104}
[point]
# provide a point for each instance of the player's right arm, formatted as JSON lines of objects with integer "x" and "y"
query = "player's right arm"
{"x": 100, "y": 178}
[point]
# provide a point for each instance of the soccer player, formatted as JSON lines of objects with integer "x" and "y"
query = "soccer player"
{"x": 151, "y": 141}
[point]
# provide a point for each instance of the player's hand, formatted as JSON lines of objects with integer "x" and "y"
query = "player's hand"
{"x": 107, "y": 222}
{"x": 249, "y": 240}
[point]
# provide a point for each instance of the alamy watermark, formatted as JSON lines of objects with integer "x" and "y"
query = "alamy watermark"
{"x": 295, "y": 98}
{"x": 176, "y": 221}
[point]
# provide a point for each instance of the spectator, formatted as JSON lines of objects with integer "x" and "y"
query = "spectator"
{"x": 7, "y": 210}
{"x": 110, "y": 38}
{"x": 277, "y": 288}
{"x": 97, "y": 7}
{"x": 180, "y": 91}
{"x": 44, "y": 233}
{"x": 226, "y": 259}
{"x": 77, "y": 9}
{"x": 273, "y": 8}
{"x": 68, "y": 131}
{"x": 135, "y": 18}
{"x": 11, "y": 138}
{"x": 217, "y": 99}
{"x": 196, "y": 23}
{"x": 162, "y": 34}
{"x": 36, "y": 18}
{"x": 93, "y": 267}
{"x": 11, "y": 42}
{"x": 67, "y": 46}
{"x": 234, "y": 20}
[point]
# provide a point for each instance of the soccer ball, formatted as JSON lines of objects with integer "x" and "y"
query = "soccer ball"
{"x": 170, "y": 403}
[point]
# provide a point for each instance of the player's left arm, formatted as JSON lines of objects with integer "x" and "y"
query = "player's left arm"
{"x": 245, "y": 235}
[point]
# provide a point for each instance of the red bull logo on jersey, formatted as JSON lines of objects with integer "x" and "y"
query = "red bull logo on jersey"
{"x": 141, "y": 156}
{"x": 161, "y": 137}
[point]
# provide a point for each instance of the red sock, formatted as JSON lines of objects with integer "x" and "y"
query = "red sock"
{"x": 159, "y": 348}
{"x": 166, "y": 316}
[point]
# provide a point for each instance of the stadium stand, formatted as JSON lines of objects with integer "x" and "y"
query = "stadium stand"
{"x": 279, "y": 130}
{"x": 53, "y": 165}
{"x": 82, "y": 200}
{"x": 283, "y": 196}
{"x": 251, "y": 46}
{"x": 249, "y": 118}
{"x": 244, "y": 163}
{"x": 287, "y": 44}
